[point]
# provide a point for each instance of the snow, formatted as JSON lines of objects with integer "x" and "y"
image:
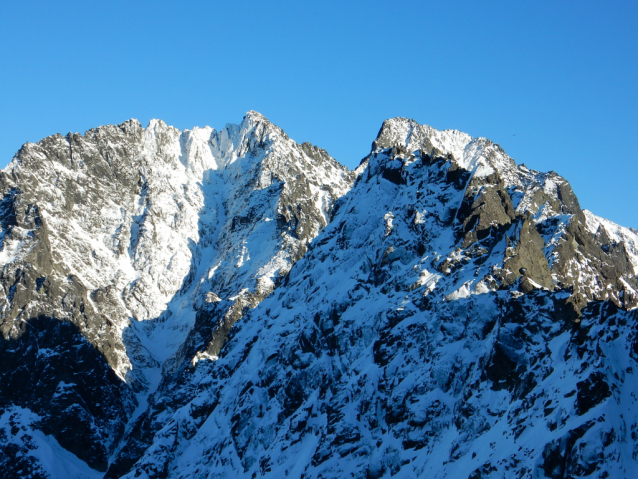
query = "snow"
{"x": 55, "y": 461}
{"x": 14, "y": 248}
{"x": 463, "y": 292}
{"x": 203, "y": 355}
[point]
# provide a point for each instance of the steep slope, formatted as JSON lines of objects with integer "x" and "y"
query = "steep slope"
{"x": 457, "y": 318}
{"x": 112, "y": 241}
{"x": 612, "y": 234}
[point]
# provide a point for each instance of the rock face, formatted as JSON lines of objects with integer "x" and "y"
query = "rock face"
{"x": 214, "y": 304}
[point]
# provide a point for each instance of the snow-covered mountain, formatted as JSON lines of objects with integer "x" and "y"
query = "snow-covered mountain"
{"x": 123, "y": 234}
{"x": 205, "y": 304}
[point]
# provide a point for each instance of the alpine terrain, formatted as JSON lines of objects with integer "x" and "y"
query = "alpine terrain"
{"x": 211, "y": 304}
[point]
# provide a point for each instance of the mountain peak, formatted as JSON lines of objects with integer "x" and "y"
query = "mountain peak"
{"x": 399, "y": 132}
{"x": 478, "y": 155}
{"x": 256, "y": 116}
{"x": 256, "y": 122}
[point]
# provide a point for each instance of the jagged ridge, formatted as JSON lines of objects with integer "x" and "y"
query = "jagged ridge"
{"x": 455, "y": 301}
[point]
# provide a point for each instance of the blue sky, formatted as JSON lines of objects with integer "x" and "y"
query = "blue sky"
{"x": 554, "y": 83}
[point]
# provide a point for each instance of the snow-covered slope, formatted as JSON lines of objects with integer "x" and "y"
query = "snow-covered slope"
{"x": 435, "y": 328}
{"x": 127, "y": 231}
{"x": 451, "y": 315}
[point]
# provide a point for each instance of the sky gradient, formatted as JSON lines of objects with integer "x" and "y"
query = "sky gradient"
{"x": 554, "y": 83}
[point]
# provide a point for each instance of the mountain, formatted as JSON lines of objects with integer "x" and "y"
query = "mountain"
{"x": 205, "y": 304}
{"x": 111, "y": 243}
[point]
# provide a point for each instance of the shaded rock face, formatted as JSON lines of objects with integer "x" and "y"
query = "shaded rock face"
{"x": 452, "y": 314}
{"x": 54, "y": 372}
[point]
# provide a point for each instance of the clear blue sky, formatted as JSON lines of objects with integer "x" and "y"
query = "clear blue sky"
{"x": 554, "y": 83}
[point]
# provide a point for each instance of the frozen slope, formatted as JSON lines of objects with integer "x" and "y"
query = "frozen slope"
{"x": 456, "y": 319}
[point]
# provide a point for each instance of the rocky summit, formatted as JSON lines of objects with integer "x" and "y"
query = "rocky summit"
{"x": 211, "y": 304}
